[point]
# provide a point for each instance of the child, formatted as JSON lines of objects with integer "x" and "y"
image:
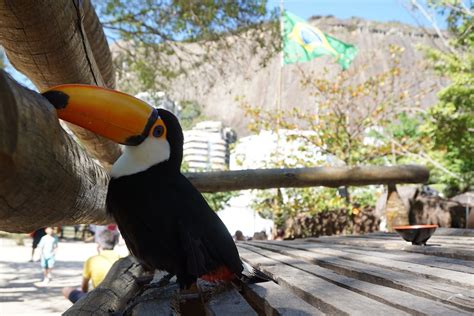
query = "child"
{"x": 47, "y": 246}
{"x": 37, "y": 235}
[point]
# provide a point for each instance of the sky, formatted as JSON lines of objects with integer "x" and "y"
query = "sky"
{"x": 378, "y": 10}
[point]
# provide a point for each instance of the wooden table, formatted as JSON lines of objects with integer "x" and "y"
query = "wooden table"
{"x": 373, "y": 274}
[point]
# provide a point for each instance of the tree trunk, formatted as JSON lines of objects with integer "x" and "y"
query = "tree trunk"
{"x": 57, "y": 42}
{"x": 45, "y": 176}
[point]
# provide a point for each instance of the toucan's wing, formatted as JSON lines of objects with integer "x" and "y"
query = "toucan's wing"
{"x": 205, "y": 238}
{"x": 146, "y": 219}
{"x": 169, "y": 220}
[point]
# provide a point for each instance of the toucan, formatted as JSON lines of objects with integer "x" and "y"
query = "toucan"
{"x": 165, "y": 221}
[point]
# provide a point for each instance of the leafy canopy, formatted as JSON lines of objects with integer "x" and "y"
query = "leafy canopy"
{"x": 450, "y": 122}
{"x": 163, "y": 39}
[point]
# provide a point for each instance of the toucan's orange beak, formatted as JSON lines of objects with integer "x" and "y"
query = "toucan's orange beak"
{"x": 109, "y": 113}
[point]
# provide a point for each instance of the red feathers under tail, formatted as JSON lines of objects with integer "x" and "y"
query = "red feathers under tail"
{"x": 220, "y": 274}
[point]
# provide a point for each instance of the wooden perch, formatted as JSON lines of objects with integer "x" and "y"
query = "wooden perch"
{"x": 307, "y": 177}
{"x": 57, "y": 42}
{"x": 45, "y": 176}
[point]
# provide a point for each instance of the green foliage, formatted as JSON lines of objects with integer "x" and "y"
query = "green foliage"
{"x": 163, "y": 40}
{"x": 282, "y": 204}
{"x": 181, "y": 20}
{"x": 219, "y": 200}
{"x": 347, "y": 112}
{"x": 190, "y": 113}
{"x": 450, "y": 122}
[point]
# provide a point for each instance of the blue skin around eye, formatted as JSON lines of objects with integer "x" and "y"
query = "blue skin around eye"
{"x": 158, "y": 131}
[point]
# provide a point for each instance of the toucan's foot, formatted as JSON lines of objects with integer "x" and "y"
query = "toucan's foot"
{"x": 165, "y": 280}
{"x": 190, "y": 301}
{"x": 146, "y": 283}
{"x": 144, "y": 280}
{"x": 190, "y": 292}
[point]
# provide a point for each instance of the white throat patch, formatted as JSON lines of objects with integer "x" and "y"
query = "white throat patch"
{"x": 139, "y": 158}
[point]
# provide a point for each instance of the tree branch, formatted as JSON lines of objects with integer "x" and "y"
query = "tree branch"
{"x": 57, "y": 42}
{"x": 222, "y": 181}
{"x": 45, "y": 177}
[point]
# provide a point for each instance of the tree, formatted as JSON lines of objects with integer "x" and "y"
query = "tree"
{"x": 450, "y": 122}
{"x": 163, "y": 40}
{"x": 349, "y": 115}
{"x": 46, "y": 177}
{"x": 36, "y": 47}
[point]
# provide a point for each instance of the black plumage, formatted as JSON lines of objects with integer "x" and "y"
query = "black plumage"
{"x": 166, "y": 222}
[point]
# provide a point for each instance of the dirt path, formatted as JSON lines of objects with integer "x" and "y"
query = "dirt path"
{"x": 20, "y": 293}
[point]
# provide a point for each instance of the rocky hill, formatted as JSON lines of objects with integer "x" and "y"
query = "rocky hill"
{"x": 246, "y": 79}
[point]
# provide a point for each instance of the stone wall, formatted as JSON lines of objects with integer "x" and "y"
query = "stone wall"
{"x": 327, "y": 223}
{"x": 426, "y": 209}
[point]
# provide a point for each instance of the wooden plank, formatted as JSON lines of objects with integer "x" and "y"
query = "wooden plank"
{"x": 228, "y": 302}
{"x": 442, "y": 275}
{"x": 398, "y": 241}
{"x": 447, "y": 293}
{"x": 324, "y": 295}
{"x": 273, "y": 299}
{"x": 159, "y": 301}
{"x": 440, "y": 231}
{"x": 454, "y": 232}
{"x": 444, "y": 240}
{"x": 448, "y": 251}
{"x": 459, "y": 265}
{"x": 395, "y": 236}
{"x": 396, "y": 298}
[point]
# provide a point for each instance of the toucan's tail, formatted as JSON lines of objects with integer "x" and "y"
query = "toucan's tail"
{"x": 251, "y": 275}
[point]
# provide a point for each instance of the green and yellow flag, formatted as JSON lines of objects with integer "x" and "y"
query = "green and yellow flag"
{"x": 303, "y": 42}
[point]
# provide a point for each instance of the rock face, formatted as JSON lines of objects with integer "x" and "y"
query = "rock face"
{"x": 329, "y": 222}
{"x": 426, "y": 209}
{"x": 259, "y": 86}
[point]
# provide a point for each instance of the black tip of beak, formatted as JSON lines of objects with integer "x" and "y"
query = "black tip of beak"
{"x": 135, "y": 140}
{"x": 57, "y": 98}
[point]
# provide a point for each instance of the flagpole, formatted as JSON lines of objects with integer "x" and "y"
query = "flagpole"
{"x": 282, "y": 30}
{"x": 280, "y": 85}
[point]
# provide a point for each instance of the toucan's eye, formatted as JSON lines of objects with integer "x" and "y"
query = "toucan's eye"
{"x": 158, "y": 131}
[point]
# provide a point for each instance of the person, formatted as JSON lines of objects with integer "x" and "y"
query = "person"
{"x": 76, "y": 230}
{"x": 96, "y": 267}
{"x": 239, "y": 236}
{"x": 48, "y": 246}
{"x": 36, "y": 235}
{"x": 99, "y": 229}
{"x": 260, "y": 236}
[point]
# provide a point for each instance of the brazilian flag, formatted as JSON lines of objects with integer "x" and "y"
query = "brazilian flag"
{"x": 303, "y": 42}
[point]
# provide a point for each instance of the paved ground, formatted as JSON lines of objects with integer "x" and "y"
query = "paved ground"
{"x": 20, "y": 293}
